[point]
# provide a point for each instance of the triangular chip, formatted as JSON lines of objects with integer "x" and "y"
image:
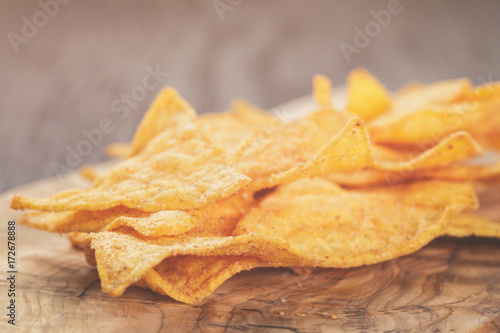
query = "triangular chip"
{"x": 164, "y": 223}
{"x": 428, "y": 113}
{"x": 118, "y": 150}
{"x": 366, "y": 96}
{"x": 189, "y": 279}
{"x": 168, "y": 110}
{"x": 180, "y": 169}
{"x": 230, "y": 128}
{"x": 311, "y": 146}
{"x": 78, "y": 240}
{"x": 227, "y": 128}
{"x": 466, "y": 225}
{"x": 462, "y": 173}
{"x": 350, "y": 150}
{"x": 456, "y": 147}
{"x": 89, "y": 173}
{"x": 322, "y": 91}
{"x": 344, "y": 229}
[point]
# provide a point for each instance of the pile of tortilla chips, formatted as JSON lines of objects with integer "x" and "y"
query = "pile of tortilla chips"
{"x": 198, "y": 199}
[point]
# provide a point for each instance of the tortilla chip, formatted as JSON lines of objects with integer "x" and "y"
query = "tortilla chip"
{"x": 466, "y": 225}
{"x": 429, "y": 119}
{"x": 366, "y": 96}
{"x": 164, "y": 223}
{"x": 305, "y": 148}
{"x": 288, "y": 145}
{"x": 180, "y": 169}
{"x": 461, "y": 173}
{"x": 391, "y": 166}
{"x": 123, "y": 259}
{"x": 322, "y": 91}
{"x": 225, "y": 215}
{"x": 78, "y": 240}
{"x": 427, "y": 114}
{"x": 455, "y": 147}
{"x": 89, "y": 173}
{"x": 344, "y": 229}
{"x": 229, "y": 129}
{"x": 168, "y": 110}
{"x": 488, "y": 131}
{"x": 350, "y": 150}
{"x": 490, "y": 139}
{"x": 437, "y": 93}
{"x": 118, "y": 150}
{"x": 351, "y": 228}
{"x": 410, "y": 88}
{"x": 71, "y": 221}
{"x": 189, "y": 279}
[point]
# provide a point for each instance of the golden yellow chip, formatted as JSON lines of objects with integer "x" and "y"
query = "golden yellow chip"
{"x": 268, "y": 152}
{"x": 488, "y": 130}
{"x": 437, "y": 93}
{"x": 78, "y": 240}
{"x": 89, "y": 173}
{"x": 322, "y": 91}
{"x": 462, "y": 173}
{"x": 410, "y": 88}
{"x": 168, "y": 110}
{"x": 489, "y": 139}
{"x": 429, "y": 113}
{"x": 468, "y": 224}
{"x": 180, "y": 169}
{"x": 351, "y": 228}
{"x": 305, "y": 148}
{"x": 344, "y": 229}
{"x": 366, "y": 96}
{"x": 229, "y": 129}
{"x": 350, "y": 150}
{"x": 224, "y": 216}
{"x": 164, "y": 223}
{"x": 118, "y": 150}
{"x": 189, "y": 279}
{"x": 456, "y": 147}
{"x": 391, "y": 166}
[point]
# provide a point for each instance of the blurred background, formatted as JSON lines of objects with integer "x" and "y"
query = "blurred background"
{"x": 73, "y": 69}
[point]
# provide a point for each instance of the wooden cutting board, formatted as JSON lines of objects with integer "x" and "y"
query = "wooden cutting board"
{"x": 451, "y": 285}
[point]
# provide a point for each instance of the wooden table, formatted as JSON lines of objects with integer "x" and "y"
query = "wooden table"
{"x": 451, "y": 285}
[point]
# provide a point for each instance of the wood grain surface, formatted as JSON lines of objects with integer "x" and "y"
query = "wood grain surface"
{"x": 65, "y": 78}
{"x": 451, "y": 285}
